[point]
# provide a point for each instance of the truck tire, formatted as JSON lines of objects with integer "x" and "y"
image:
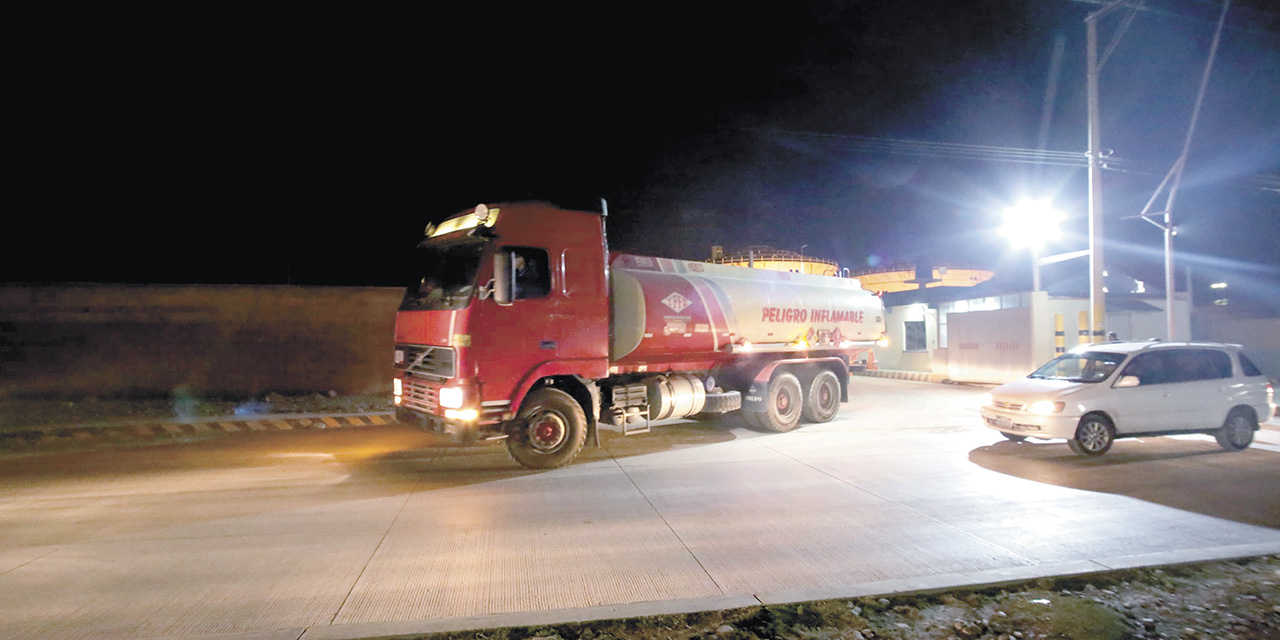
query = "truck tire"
{"x": 721, "y": 402}
{"x": 551, "y": 430}
{"x": 784, "y": 402}
{"x": 822, "y": 401}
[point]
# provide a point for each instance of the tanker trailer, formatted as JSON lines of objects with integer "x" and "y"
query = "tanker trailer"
{"x": 518, "y": 328}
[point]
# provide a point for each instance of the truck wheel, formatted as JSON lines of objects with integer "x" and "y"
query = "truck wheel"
{"x": 822, "y": 402}
{"x": 784, "y": 404}
{"x": 1237, "y": 432}
{"x": 551, "y": 432}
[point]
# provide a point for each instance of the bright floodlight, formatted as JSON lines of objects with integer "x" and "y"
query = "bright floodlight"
{"x": 1032, "y": 223}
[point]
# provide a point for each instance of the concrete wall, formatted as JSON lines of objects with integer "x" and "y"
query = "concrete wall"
{"x": 153, "y": 340}
{"x": 1260, "y": 337}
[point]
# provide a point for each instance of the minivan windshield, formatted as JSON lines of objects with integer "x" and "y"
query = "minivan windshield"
{"x": 444, "y": 275}
{"x": 1089, "y": 366}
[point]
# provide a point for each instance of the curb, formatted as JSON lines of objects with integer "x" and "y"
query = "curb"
{"x": 917, "y": 376}
{"x": 922, "y": 585}
{"x": 189, "y": 428}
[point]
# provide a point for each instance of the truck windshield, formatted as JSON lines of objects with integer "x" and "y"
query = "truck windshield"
{"x": 444, "y": 275}
{"x": 1092, "y": 366}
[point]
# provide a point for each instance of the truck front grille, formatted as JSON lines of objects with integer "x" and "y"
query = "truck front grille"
{"x": 420, "y": 395}
{"x": 434, "y": 363}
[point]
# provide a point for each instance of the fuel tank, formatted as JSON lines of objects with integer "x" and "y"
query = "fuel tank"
{"x": 664, "y": 308}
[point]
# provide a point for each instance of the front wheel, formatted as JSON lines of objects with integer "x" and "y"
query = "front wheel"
{"x": 1237, "y": 432}
{"x": 784, "y": 401}
{"x": 822, "y": 402}
{"x": 552, "y": 429}
{"x": 1094, "y": 436}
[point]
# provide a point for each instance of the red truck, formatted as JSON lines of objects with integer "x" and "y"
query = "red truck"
{"x": 520, "y": 325}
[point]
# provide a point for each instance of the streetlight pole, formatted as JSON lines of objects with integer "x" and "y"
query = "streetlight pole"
{"x": 1097, "y": 284}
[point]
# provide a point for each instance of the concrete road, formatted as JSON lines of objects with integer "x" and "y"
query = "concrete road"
{"x": 381, "y": 530}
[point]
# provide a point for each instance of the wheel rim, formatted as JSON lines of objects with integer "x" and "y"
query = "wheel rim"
{"x": 547, "y": 431}
{"x": 783, "y": 402}
{"x": 1093, "y": 436}
{"x": 825, "y": 395}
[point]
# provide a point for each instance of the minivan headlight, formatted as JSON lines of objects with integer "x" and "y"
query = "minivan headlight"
{"x": 1046, "y": 407}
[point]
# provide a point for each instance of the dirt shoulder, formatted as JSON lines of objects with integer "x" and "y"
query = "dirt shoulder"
{"x": 37, "y": 425}
{"x": 1225, "y": 600}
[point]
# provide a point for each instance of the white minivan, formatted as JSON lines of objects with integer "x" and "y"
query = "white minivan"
{"x": 1099, "y": 392}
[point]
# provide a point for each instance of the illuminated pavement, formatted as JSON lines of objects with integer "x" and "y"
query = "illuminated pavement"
{"x": 373, "y": 531}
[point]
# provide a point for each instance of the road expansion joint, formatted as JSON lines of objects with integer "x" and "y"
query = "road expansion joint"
{"x": 670, "y": 528}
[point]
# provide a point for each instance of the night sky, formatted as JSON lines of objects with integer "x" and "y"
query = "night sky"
{"x": 307, "y": 146}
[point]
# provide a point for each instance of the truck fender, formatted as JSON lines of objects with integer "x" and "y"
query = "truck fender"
{"x": 565, "y": 375}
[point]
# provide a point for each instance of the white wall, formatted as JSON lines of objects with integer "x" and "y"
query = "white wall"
{"x": 991, "y": 346}
{"x": 1260, "y": 337}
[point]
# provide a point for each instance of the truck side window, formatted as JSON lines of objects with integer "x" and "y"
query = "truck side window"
{"x": 531, "y": 272}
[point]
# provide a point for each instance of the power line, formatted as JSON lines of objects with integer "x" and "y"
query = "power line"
{"x": 1247, "y": 19}
{"x": 984, "y": 153}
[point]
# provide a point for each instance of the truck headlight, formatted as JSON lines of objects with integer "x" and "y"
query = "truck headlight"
{"x": 451, "y": 397}
{"x": 1046, "y": 407}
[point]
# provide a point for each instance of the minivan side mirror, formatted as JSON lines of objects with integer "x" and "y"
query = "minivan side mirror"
{"x": 1128, "y": 381}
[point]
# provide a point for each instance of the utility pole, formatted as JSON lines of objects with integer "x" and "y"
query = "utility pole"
{"x": 1097, "y": 268}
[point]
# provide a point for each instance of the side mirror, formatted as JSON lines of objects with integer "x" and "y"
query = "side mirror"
{"x": 1128, "y": 381}
{"x": 502, "y": 277}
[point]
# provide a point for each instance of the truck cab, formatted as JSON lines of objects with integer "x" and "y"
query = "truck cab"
{"x": 501, "y": 298}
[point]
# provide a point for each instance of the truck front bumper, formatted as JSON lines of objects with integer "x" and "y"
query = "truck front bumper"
{"x": 467, "y": 431}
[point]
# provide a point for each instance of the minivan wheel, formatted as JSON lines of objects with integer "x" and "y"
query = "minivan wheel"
{"x": 1237, "y": 432}
{"x": 1094, "y": 436}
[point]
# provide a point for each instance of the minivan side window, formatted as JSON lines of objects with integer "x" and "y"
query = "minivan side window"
{"x": 1179, "y": 365}
{"x": 1150, "y": 368}
{"x": 1203, "y": 365}
{"x": 1200, "y": 364}
{"x": 1247, "y": 366}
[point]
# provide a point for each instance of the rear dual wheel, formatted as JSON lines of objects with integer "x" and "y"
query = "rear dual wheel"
{"x": 822, "y": 402}
{"x": 784, "y": 402}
